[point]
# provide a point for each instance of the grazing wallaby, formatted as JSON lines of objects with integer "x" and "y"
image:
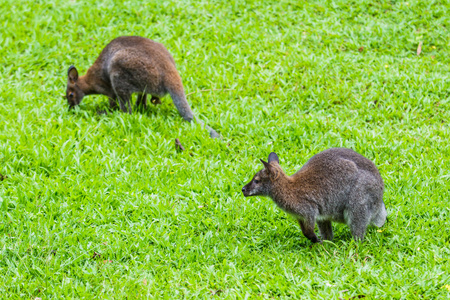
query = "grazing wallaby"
{"x": 337, "y": 184}
{"x": 127, "y": 65}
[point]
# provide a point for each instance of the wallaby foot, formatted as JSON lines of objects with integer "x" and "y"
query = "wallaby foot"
{"x": 326, "y": 230}
{"x": 155, "y": 100}
{"x": 308, "y": 230}
{"x": 142, "y": 100}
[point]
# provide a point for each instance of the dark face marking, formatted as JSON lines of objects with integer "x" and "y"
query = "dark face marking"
{"x": 74, "y": 95}
{"x": 258, "y": 186}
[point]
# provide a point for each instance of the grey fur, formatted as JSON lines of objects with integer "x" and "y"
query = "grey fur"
{"x": 128, "y": 65}
{"x": 337, "y": 185}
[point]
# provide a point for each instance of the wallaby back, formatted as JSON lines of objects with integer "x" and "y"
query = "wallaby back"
{"x": 337, "y": 184}
{"x": 127, "y": 65}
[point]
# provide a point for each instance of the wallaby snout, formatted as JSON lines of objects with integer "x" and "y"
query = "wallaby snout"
{"x": 246, "y": 189}
{"x": 254, "y": 187}
{"x": 250, "y": 188}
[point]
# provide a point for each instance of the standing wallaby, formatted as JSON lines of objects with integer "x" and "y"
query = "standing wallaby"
{"x": 337, "y": 184}
{"x": 127, "y": 65}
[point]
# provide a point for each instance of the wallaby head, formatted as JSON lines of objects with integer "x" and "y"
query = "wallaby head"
{"x": 74, "y": 94}
{"x": 263, "y": 181}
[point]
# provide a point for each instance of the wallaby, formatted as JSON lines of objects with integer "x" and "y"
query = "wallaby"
{"x": 127, "y": 65}
{"x": 337, "y": 185}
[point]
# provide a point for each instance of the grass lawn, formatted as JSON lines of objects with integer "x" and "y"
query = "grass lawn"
{"x": 103, "y": 206}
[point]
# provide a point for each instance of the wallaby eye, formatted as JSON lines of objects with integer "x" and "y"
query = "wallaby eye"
{"x": 71, "y": 95}
{"x": 256, "y": 181}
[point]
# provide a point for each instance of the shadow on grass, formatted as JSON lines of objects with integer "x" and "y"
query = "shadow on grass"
{"x": 293, "y": 240}
{"x": 101, "y": 107}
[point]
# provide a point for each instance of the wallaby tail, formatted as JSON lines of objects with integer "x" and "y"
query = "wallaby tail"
{"x": 212, "y": 132}
{"x": 179, "y": 99}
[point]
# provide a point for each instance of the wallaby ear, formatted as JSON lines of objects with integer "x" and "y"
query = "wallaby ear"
{"x": 72, "y": 73}
{"x": 268, "y": 167}
{"x": 273, "y": 157}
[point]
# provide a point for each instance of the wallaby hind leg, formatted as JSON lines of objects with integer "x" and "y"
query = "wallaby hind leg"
{"x": 124, "y": 102}
{"x": 122, "y": 90}
{"x": 308, "y": 230}
{"x": 358, "y": 220}
{"x": 326, "y": 230}
{"x": 380, "y": 216}
{"x": 142, "y": 100}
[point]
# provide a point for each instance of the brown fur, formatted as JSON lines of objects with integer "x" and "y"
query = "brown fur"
{"x": 337, "y": 184}
{"x": 127, "y": 65}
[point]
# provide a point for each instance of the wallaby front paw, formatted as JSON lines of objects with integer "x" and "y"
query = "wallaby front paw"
{"x": 316, "y": 241}
{"x": 155, "y": 100}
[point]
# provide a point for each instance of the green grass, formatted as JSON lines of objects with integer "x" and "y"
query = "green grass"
{"x": 104, "y": 207}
